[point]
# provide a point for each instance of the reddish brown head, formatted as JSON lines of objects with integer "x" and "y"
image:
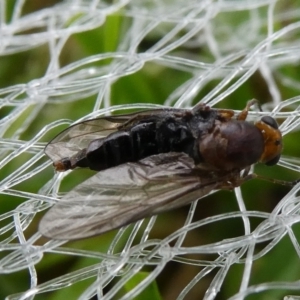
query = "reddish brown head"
{"x": 272, "y": 140}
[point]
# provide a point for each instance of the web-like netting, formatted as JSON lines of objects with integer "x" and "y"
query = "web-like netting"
{"x": 65, "y": 61}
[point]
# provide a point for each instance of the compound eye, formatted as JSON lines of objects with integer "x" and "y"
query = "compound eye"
{"x": 270, "y": 121}
{"x": 273, "y": 161}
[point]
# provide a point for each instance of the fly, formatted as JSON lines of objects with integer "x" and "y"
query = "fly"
{"x": 153, "y": 161}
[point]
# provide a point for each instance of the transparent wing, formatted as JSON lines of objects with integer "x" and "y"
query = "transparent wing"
{"x": 77, "y": 137}
{"x": 127, "y": 193}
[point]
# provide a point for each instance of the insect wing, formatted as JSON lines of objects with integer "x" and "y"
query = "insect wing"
{"x": 124, "y": 194}
{"x": 77, "y": 137}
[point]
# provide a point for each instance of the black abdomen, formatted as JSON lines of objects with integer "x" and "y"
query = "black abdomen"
{"x": 141, "y": 140}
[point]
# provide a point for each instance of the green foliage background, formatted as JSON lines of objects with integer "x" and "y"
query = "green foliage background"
{"x": 152, "y": 84}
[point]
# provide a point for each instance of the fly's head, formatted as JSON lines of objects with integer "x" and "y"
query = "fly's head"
{"x": 272, "y": 140}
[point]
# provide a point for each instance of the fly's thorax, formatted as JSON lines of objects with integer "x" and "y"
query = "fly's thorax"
{"x": 272, "y": 140}
{"x": 231, "y": 145}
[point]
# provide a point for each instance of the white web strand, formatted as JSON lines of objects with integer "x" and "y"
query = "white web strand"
{"x": 220, "y": 51}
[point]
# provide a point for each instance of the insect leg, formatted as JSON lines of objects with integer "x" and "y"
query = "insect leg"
{"x": 226, "y": 114}
{"x": 278, "y": 181}
{"x": 200, "y": 107}
{"x": 244, "y": 113}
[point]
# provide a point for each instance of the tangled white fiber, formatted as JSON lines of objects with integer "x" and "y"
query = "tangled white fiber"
{"x": 66, "y": 61}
